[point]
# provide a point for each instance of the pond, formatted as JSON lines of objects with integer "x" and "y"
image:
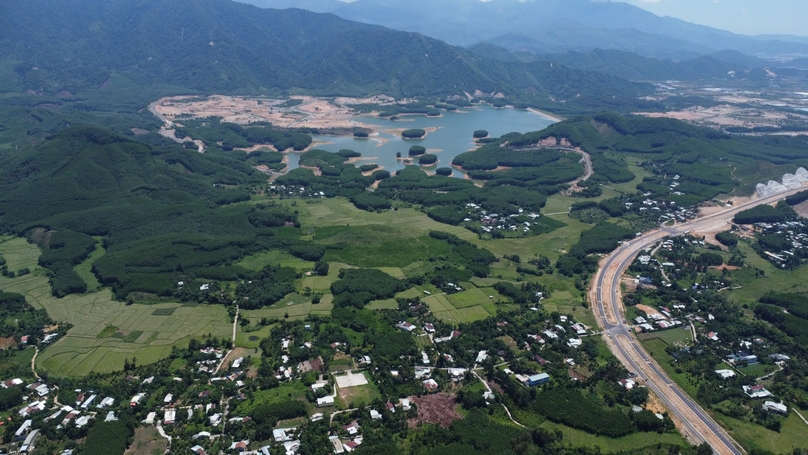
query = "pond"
{"x": 452, "y": 137}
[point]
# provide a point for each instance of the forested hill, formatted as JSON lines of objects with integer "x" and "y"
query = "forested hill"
{"x": 158, "y": 208}
{"x": 222, "y": 46}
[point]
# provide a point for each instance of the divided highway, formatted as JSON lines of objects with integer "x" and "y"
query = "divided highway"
{"x": 693, "y": 421}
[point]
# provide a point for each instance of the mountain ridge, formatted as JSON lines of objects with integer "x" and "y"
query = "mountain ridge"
{"x": 223, "y": 46}
{"x": 467, "y": 22}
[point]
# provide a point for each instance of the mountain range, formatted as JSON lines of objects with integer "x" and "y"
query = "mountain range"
{"x": 552, "y": 26}
{"x": 67, "y": 46}
{"x": 723, "y": 65}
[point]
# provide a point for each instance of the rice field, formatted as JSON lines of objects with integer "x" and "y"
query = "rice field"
{"x": 144, "y": 332}
{"x": 469, "y": 305}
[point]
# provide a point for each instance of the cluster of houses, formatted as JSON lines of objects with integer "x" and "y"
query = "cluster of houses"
{"x": 88, "y": 405}
{"x": 662, "y": 320}
{"x": 795, "y": 235}
{"x": 494, "y": 221}
{"x": 292, "y": 191}
{"x": 755, "y": 391}
{"x": 211, "y": 364}
{"x": 663, "y": 211}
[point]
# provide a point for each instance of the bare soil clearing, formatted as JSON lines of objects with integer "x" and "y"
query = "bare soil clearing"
{"x": 438, "y": 408}
{"x": 310, "y": 113}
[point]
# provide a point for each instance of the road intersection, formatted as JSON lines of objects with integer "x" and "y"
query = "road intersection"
{"x": 693, "y": 421}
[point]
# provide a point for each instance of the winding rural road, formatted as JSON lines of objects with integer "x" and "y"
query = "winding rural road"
{"x": 693, "y": 421}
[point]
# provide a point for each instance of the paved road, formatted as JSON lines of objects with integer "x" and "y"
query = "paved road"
{"x": 693, "y": 421}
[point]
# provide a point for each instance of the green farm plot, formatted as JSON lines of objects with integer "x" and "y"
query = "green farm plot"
{"x": 252, "y": 339}
{"x": 753, "y": 287}
{"x": 393, "y": 271}
{"x": 275, "y": 257}
{"x": 389, "y": 304}
{"x": 293, "y": 306}
{"x": 438, "y": 303}
{"x": 136, "y": 332}
{"x": 341, "y": 212}
{"x": 318, "y": 283}
{"x": 484, "y": 282}
{"x": 106, "y": 332}
{"x": 443, "y": 309}
{"x": 359, "y": 396}
{"x": 475, "y": 313}
{"x": 674, "y": 336}
{"x": 323, "y": 283}
{"x": 411, "y": 293}
{"x": 630, "y": 442}
{"x": 380, "y": 246}
{"x": 288, "y": 391}
{"x": 639, "y": 172}
{"x": 557, "y": 299}
{"x": 85, "y": 268}
{"x": 468, "y": 298}
{"x": 19, "y": 253}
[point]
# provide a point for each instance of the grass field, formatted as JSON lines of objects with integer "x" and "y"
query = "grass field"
{"x": 757, "y": 370}
{"x": 285, "y": 392}
{"x": 359, "y": 396}
{"x": 567, "y": 302}
{"x": 792, "y": 435}
{"x": 793, "y": 431}
{"x": 340, "y": 212}
{"x": 260, "y": 260}
{"x": 85, "y": 268}
{"x": 671, "y": 337}
{"x": 106, "y": 332}
{"x": 609, "y": 445}
{"x": 389, "y": 304}
{"x": 251, "y": 339}
{"x": 323, "y": 283}
{"x": 470, "y": 305}
{"x": 752, "y": 287}
{"x": 293, "y": 306}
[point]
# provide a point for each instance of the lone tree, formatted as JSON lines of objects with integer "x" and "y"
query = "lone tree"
{"x": 480, "y": 134}
{"x": 321, "y": 268}
{"x": 426, "y": 160}
{"x": 415, "y": 133}
{"x": 417, "y": 150}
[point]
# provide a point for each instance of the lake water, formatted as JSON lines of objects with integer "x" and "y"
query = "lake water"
{"x": 453, "y": 136}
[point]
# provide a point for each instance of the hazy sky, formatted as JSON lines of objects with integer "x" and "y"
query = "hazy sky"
{"x": 749, "y": 17}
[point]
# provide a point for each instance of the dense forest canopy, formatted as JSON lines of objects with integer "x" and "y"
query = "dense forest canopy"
{"x": 233, "y": 47}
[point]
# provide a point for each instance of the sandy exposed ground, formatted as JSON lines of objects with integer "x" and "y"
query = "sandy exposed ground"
{"x": 727, "y": 115}
{"x": 311, "y": 113}
{"x": 802, "y": 209}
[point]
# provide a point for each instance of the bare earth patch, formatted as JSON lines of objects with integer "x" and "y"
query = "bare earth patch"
{"x": 647, "y": 309}
{"x": 310, "y": 113}
{"x": 438, "y": 408}
{"x": 802, "y": 209}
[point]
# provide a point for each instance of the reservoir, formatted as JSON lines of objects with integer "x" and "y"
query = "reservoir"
{"x": 452, "y": 137}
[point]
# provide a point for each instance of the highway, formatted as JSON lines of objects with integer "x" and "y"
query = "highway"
{"x": 694, "y": 423}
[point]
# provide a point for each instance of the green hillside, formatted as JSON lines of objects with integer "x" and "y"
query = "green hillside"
{"x": 68, "y": 47}
{"x": 161, "y": 210}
